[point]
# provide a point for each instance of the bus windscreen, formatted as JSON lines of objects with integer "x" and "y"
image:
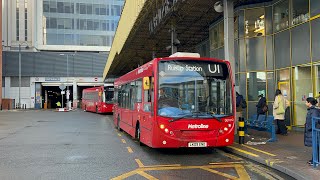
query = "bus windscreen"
{"x": 194, "y": 89}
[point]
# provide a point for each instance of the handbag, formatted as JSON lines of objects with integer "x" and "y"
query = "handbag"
{"x": 280, "y": 109}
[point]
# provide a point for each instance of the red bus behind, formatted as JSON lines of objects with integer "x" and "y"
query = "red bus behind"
{"x": 98, "y": 99}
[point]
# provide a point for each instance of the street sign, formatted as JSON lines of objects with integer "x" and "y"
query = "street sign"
{"x": 63, "y": 92}
{"x": 62, "y": 87}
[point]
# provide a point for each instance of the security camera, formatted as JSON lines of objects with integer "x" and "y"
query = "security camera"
{"x": 168, "y": 47}
{"x": 218, "y": 6}
{"x": 176, "y": 42}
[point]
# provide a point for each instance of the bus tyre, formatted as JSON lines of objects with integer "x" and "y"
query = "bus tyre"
{"x": 97, "y": 109}
{"x": 85, "y": 108}
{"x": 138, "y": 132}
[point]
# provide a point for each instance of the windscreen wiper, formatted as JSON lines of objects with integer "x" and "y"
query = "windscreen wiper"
{"x": 187, "y": 115}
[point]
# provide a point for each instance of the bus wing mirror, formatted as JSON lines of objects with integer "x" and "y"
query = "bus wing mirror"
{"x": 146, "y": 83}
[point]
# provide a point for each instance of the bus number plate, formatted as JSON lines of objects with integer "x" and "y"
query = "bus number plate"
{"x": 197, "y": 144}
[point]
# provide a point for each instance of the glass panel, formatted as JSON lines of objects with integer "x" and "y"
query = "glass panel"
{"x": 255, "y": 54}
{"x": 254, "y": 22}
{"x": 314, "y": 7}
{"x": 221, "y": 35}
{"x": 236, "y": 26}
{"x": 300, "y": 39}
{"x": 300, "y": 11}
{"x": 303, "y": 89}
{"x": 281, "y": 16}
{"x": 214, "y": 38}
{"x": 270, "y": 86}
{"x": 256, "y": 84}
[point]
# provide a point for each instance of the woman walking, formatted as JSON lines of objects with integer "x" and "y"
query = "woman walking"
{"x": 279, "y": 106}
{"x": 312, "y": 112}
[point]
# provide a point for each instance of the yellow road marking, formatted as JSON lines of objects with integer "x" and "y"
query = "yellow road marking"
{"x": 226, "y": 163}
{"x": 119, "y": 134}
{"x": 264, "y": 152}
{"x": 272, "y": 161}
{"x": 130, "y": 150}
{"x": 242, "y": 172}
{"x": 147, "y": 176}
{"x": 139, "y": 163}
{"x": 239, "y": 169}
{"x": 229, "y": 155}
{"x": 123, "y": 141}
{"x": 243, "y": 151}
{"x": 314, "y": 17}
{"x": 220, "y": 173}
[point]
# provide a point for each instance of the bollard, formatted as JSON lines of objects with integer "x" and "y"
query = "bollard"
{"x": 25, "y": 106}
{"x": 241, "y": 130}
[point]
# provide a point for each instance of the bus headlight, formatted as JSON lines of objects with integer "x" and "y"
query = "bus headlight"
{"x": 166, "y": 130}
{"x": 161, "y": 126}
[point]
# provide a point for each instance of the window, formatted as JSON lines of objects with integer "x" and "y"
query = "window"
{"x": 46, "y": 6}
{"x": 103, "y": 9}
{"x": 17, "y": 20}
{"x": 26, "y": 20}
{"x": 281, "y": 16}
{"x": 83, "y": 9}
{"x": 60, "y": 7}
{"x": 89, "y": 8}
{"x": 254, "y": 22}
{"x": 96, "y": 9}
{"x": 256, "y": 84}
{"x": 300, "y": 11}
{"x": 53, "y": 6}
{"x": 25, "y": 82}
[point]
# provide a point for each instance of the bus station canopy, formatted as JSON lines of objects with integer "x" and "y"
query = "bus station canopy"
{"x": 144, "y": 30}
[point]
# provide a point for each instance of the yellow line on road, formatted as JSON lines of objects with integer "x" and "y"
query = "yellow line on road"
{"x": 264, "y": 152}
{"x": 242, "y": 172}
{"x": 226, "y": 163}
{"x": 130, "y": 150}
{"x": 124, "y": 176}
{"x": 119, "y": 134}
{"x": 243, "y": 151}
{"x": 220, "y": 173}
{"x": 123, "y": 141}
{"x": 147, "y": 176}
{"x": 139, "y": 162}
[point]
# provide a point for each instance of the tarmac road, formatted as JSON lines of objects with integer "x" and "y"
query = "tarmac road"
{"x": 82, "y": 145}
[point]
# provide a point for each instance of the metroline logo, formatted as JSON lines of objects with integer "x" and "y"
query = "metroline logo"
{"x": 197, "y": 126}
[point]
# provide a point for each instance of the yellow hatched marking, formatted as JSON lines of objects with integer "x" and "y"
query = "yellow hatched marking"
{"x": 219, "y": 173}
{"x": 147, "y": 176}
{"x": 229, "y": 155}
{"x": 239, "y": 168}
{"x": 119, "y": 134}
{"x": 243, "y": 151}
{"x": 123, "y": 141}
{"x": 130, "y": 150}
{"x": 264, "y": 152}
{"x": 242, "y": 172}
{"x": 314, "y": 17}
{"x": 139, "y": 162}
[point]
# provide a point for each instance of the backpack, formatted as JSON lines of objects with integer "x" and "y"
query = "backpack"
{"x": 264, "y": 108}
{"x": 243, "y": 103}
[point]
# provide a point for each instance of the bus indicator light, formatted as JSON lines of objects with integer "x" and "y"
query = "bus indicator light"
{"x": 161, "y": 126}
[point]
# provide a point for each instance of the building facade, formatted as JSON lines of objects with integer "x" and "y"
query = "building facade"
{"x": 60, "y": 42}
{"x": 276, "y": 47}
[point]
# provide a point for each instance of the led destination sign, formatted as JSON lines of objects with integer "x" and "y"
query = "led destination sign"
{"x": 205, "y": 68}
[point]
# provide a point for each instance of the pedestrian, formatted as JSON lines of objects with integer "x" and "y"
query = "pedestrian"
{"x": 240, "y": 105}
{"x": 279, "y": 106}
{"x": 312, "y": 112}
{"x": 262, "y": 106}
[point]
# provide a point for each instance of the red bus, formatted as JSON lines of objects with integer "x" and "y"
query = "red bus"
{"x": 98, "y": 99}
{"x": 177, "y": 101}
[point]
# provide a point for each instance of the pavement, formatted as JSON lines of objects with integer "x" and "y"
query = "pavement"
{"x": 287, "y": 155}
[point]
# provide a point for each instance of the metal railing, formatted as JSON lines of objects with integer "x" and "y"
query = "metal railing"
{"x": 315, "y": 140}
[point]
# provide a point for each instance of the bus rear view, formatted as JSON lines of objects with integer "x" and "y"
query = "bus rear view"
{"x": 194, "y": 103}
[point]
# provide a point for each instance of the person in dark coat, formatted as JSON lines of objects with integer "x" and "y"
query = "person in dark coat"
{"x": 262, "y": 103}
{"x": 312, "y": 112}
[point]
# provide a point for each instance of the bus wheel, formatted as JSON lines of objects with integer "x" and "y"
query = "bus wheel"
{"x": 85, "y": 108}
{"x": 97, "y": 109}
{"x": 138, "y": 133}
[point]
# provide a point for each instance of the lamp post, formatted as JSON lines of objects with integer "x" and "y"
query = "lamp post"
{"x": 67, "y": 94}
{"x": 27, "y": 47}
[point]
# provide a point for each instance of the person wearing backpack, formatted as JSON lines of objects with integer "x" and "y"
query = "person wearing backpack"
{"x": 240, "y": 105}
{"x": 262, "y": 106}
{"x": 279, "y": 106}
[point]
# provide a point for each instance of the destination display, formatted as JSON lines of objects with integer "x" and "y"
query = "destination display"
{"x": 204, "y": 68}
